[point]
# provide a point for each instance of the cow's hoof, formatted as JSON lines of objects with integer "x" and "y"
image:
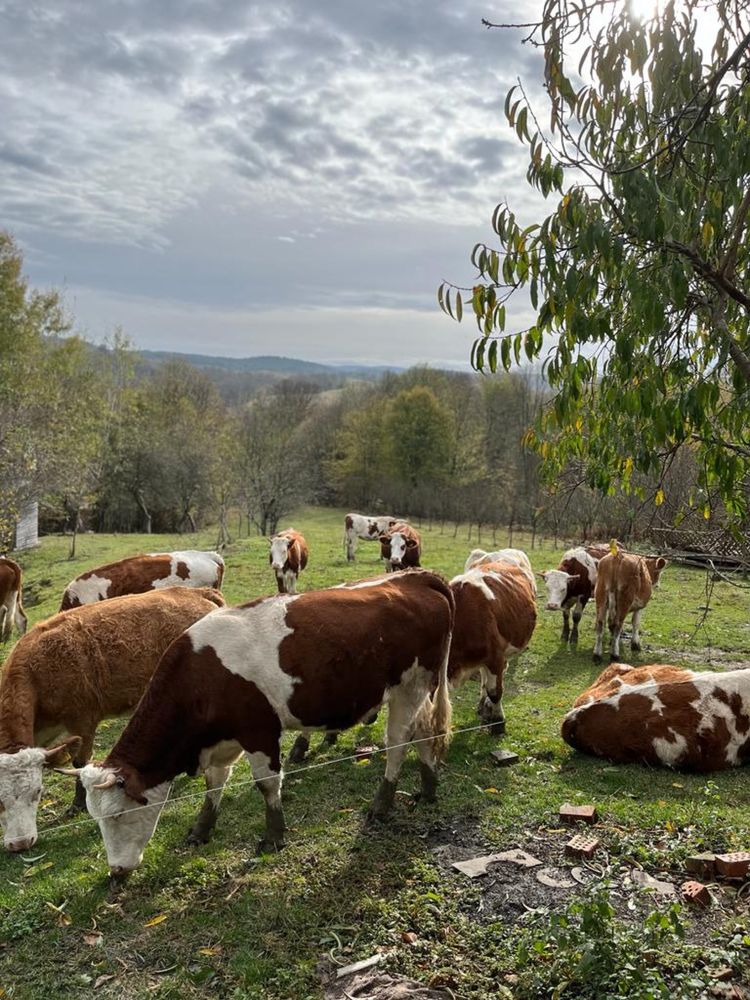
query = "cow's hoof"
{"x": 573, "y": 638}
{"x": 299, "y": 750}
{"x": 597, "y": 657}
{"x": 331, "y": 739}
{"x": 564, "y": 636}
{"x": 198, "y": 837}
{"x": 497, "y": 728}
{"x": 635, "y": 646}
{"x": 267, "y": 846}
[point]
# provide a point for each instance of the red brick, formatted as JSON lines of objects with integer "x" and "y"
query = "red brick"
{"x": 696, "y": 892}
{"x": 703, "y": 864}
{"x": 581, "y": 846}
{"x": 736, "y": 864}
{"x": 504, "y": 758}
{"x": 577, "y": 814}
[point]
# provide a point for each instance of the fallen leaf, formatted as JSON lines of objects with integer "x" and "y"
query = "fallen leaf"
{"x": 93, "y": 940}
{"x": 101, "y": 980}
{"x": 677, "y": 784}
{"x": 216, "y": 950}
{"x": 491, "y": 791}
{"x": 156, "y": 920}
{"x": 408, "y": 937}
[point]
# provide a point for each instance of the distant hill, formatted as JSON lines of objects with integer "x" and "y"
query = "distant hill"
{"x": 267, "y": 363}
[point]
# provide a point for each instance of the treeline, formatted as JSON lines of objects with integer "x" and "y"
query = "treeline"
{"x": 108, "y": 444}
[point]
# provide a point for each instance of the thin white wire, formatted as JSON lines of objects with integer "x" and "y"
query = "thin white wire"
{"x": 253, "y": 781}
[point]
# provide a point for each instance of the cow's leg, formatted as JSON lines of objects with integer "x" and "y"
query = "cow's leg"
{"x": 268, "y": 778}
{"x": 577, "y": 612}
{"x": 565, "y": 635}
{"x": 425, "y": 747}
{"x": 4, "y": 620}
{"x": 492, "y": 684}
{"x": 404, "y": 704}
{"x": 635, "y": 642}
{"x": 280, "y": 583}
{"x": 601, "y": 613}
{"x": 331, "y": 738}
{"x": 80, "y": 758}
{"x": 299, "y": 750}
{"x": 216, "y": 778}
{"x": 21, "y": 621}
{"x": 290, "y": 582}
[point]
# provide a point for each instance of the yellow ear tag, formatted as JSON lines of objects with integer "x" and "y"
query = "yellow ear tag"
{"x": 613, "y": 547}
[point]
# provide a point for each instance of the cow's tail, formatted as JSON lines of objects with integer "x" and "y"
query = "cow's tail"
{"x": 442, "y": 710}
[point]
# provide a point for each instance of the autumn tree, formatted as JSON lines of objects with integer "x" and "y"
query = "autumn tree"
{"x": 639, "y": 277}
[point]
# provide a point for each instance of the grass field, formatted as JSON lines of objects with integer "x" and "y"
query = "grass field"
{"x": 216, "y": 921}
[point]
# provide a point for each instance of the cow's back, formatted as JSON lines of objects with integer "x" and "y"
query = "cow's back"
{"x": 494, "y": 602}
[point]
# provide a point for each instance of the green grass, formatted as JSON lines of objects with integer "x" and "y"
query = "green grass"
{"x": 244, "y": 928}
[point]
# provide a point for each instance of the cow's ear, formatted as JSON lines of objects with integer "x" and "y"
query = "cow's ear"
{"x": 132, "y": 788}
{"x": 543, "y": 575}
{"x": 385, "y": 538}
{"x": 55, "y": 756}
{"x": 411, "y": 543}
{"x": 661, "y": 562}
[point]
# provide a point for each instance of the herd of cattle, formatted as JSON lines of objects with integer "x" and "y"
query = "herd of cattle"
{"x": 151, "y": 635}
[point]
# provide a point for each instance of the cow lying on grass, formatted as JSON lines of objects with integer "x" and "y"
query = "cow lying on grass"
{"x": 662, "y": 715}
{"x": 495, "y": 619}
{"x": 624, "y": 583}
{"x": 288, "y": 557}
{"x": 66, "y": 675}
{"x": 139, "y": 574}
{"x": 11, "y": 600}
{"x": 233, "y": 682}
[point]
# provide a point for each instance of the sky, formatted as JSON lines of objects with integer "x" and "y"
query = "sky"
{"x": 242, "y": 178}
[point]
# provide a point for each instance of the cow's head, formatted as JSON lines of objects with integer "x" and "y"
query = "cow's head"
{"x": 557, "y": 587}
{"x": 655, "y": 565}
{"x": 399, "y": 544}
{"x": 279, "y": 552}
{"x": 127, "y": 813}
{"x": 21, "y": 788}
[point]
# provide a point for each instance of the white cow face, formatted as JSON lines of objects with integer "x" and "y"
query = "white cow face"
{"x": 279, "y": 552}
{"x": 557, "y": 587}
{"x": 398, "y": 549}
{"x": 20, "y": 790}
{"x": 126, "y": 825}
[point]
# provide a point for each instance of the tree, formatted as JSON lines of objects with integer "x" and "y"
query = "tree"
{"x": 639, "y": 277}
{"x": 417, "y": 430}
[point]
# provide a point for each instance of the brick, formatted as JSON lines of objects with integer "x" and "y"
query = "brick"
{"x": 570, "y": 814}
{"x": 504, "y": 758}
{"x": 736, "y": 864}
{"x": 703, "y": 864}
{"x": 581, "y": 846}
{"x": 696, "y": 892}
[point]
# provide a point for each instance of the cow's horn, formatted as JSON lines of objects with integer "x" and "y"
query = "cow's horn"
{"x": 73, "y": 772}
{"x": 108, "y": 782}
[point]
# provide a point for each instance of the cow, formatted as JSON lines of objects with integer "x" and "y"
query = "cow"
{"x": 624, "y": 583}
{"x": 137, "y": 574}
{"x": 11, "y": 599}
{"x": 66, "y": 675}
{"x": 478, "y": 557}
{"x": 571, "y": 585}
{"x": 369, "y": 529}
{"x": 495, "y": 619}
{"x": 231, "y": 684}
{"x": 400, "y": 546}
{"x": 664, "y": 716}
{"x": 288, "y": 557}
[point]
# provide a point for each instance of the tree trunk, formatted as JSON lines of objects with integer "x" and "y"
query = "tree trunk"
{"x": 140, "y": 500}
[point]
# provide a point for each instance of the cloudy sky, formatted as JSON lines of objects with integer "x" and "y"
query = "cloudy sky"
{"x": 241, "y": 178}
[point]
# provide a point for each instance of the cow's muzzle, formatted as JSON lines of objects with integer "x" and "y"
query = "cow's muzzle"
{"x": 21, "y": 844}
{"x": 551, "y": 606}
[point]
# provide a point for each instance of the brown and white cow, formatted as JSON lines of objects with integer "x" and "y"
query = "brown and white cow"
{"x": 662, "y": 715}
{"x": 495, "y": 619}
{"x": 138, "y": 574}
{"x": 400, "y": 546}
{"x": 571, "y": 585}
{"x": 321, "y": 660}
{"x": 11, "y": 599}
{"x": 368, "y": 528}
{"x": 623, "y": 585}
{"x": 478, "y": 557}
{"x": 288, "y": 557}
{"x": 70, "y": 672}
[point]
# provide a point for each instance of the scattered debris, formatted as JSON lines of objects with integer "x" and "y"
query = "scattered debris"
{"x": 475, "y": 867}
{"x": 546, "y": 878}
{"x": 366, "y": 751}
{"x": 384, "y": 986}
{"x": 409, "y": 937}
{"x": 703, "y": 864}
{"x": 570, "y": 814}
{"x": 696, "y": 892}
{"x": 736, "y": 864}
{"x": 504, "y": 758}
{"x": 582, "y": 846}
{"x": 579, "y": 874}
{"x": 366, "y": 963}
{"x": 645, "y": 881}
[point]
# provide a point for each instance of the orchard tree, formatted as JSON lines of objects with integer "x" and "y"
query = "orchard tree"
{"x": 639, "y": 278}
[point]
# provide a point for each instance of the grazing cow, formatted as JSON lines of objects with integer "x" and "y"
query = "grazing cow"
{"x": 571, "y": 585}
{"x": 662, "y": 715}
{"x": 321, "y": 660}
{"x": 624, "y": 584}
{"x": 400, "y": 546}
{"x": 138, "y": 574}
{"x": 288, "y": 557}
{"x": 495, "y": 619}
{"x": 66, "y": 675}
{"x": 478, "y": 557}
{"x": 369, "y": 529}
{"x": 11, "y": 602}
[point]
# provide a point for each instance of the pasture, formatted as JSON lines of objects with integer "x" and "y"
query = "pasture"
{"x": 218, "y": 921}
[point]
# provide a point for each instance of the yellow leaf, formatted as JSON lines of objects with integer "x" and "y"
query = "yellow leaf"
{"x": 659, "y": 498}
{"x": 491, "y": 791}
{"x": 670, "y": 826}
{"x": 707, "y": 233}
{"x": 707, "y": 512}
{"x": 662, "y": 803}
{"x": 156, "y": 920}
{"x": 613, "y": 547}
{"x": 628, "y": 466}
{"x": 676, "y": 784}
